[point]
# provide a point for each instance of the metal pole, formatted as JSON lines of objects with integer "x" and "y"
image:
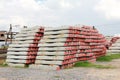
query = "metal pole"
{"x": 6, "y": 38}
{"x": 10, "y": 32}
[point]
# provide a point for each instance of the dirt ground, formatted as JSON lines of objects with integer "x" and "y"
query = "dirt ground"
{"x": 10, "y": 73}
{"x": 2, "y": 61}
{"x": 114, "y": 63}
{"x": 111, "y": 74}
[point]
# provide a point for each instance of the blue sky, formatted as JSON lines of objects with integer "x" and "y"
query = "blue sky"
{"x": 103, "y": 14}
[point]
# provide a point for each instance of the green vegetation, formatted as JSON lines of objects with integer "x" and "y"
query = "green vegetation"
{"x": 3, "y": 65}
{"x": 4, "y": 47}
{"x": 88, "y": 64}
{"x": 108, "y": 57}
{"x": 83, "y": 64}
{"x": 25, "y": 66}
{"x": 57, "y": 76}
{"x": 19, "y": 67}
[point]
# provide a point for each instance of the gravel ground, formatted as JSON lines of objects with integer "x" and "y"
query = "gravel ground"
{"x": 10, "y": 73}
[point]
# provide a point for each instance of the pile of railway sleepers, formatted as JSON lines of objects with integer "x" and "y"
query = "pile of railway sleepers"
{"x": 114, "y": 45}
{"x": 23, "y": 49}
{"x": 62, "y": 46}
{"x": 56, "y": 47}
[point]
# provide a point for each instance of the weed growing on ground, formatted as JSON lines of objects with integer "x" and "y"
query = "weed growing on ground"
{"x": 108, "y": 57}
{"x": 88, "y": 64}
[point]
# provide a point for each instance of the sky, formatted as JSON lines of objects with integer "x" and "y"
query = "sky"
{"x": 103, "y": 14}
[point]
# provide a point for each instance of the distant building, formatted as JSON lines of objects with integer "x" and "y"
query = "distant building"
{"x": 2, "y": 35}
{"x": 6, "y": 37}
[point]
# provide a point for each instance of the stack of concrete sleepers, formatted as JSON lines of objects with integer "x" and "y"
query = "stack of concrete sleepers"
{"x": 56, "y": 47}
{"x": 84, "y": 51}
{"x": 115, "y": 48}
{"x": 113, "y": 40}
{"x": 24, "y": 48}
{"x": 53, "y": 52}
{"x": 108, "y": 38}
{"x": 96, "y": 42}
{"x": 61, "y": 47}
{"x": 91, "y": 44}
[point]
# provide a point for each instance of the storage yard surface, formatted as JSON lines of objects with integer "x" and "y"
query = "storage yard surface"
{"x": 49, "y": 51}
{"x": 10, "y": 73}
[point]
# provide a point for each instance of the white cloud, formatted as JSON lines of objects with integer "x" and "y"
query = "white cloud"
{"x": 58, "y": 12}
{"x": 69, "y": 3}
{"x": 17, "y": 20}
{"x": 32, "y": 12}
{"x": 16, "y": 11}
{"x": 109, "y": 8}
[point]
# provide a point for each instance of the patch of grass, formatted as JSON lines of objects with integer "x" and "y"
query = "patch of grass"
{"x": 3, "y": 65}
{"x": 109, "y": 57}
{"x": 19, "y": 67}
{"x": 104, "y": 58}
{"x": 83, "y": 64}
{"x": 57, "y": 76}
{"x": 103, "y": 67}
{"x": 25, "y": 66}
{"x": 88, "y": 64}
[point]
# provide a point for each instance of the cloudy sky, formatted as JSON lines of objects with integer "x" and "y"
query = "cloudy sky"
{"x": 104, "y": 14}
